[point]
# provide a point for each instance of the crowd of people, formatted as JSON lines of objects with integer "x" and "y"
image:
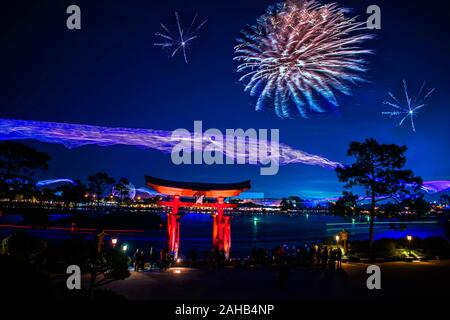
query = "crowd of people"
{"x": 140, "y": 259}
{"x": 314, "y": 254}
{"x": 307, "y": 255}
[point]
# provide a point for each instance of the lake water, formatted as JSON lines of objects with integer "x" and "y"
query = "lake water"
{"x": 249, "y": 231}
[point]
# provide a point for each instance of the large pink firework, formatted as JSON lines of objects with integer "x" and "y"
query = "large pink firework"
{"x": 298, "y": 54}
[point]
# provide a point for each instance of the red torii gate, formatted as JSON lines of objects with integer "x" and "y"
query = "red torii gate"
{"x": 221, "y": 234}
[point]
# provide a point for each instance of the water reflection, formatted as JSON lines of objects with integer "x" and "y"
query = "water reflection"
{"x": 249, "y": 231}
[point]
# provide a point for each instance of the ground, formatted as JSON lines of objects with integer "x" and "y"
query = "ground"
{"x": 399, "y": 280}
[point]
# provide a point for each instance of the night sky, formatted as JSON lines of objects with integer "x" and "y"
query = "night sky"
{"x": 110, "y": 74}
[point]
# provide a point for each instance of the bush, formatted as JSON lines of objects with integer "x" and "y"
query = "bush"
{"x": 435, "y": 246}
{"x": 20, "y": 280}
{"x": 385, "y": 247}
{"x": 359, "y": 247}
{"x": 25, "y": 248}
{"x": 389, "y": 248}
{"x": 75, "y": 251}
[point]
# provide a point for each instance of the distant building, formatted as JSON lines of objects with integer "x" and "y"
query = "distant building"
{"x": 250, "y": 196}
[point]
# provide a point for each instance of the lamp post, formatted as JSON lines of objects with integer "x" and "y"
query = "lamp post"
{"x": 337, "y": 241}
{"x": 124, "y": 248}
{"x": 409, "y": 238}
{"x": 114, "y": 242}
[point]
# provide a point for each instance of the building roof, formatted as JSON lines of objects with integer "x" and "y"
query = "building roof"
{"x": 213, "y": 190}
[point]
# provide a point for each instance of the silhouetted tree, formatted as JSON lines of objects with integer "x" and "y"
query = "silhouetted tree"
{"x": 18, "y": 163}
{"x": 25, "y": 248}
{"x": 285, "y": 204}
{"x": 98, "y": 182}
{"x": 378, "y": 168}
{"x": 417, "y": 205}
{"x": 73, "y": 193}
{"x": 444, "y": 199}
{"x": 390, "y": 209}
{"x": 48, "y": 194}
{"x": 122, "y": 189}
{"x": 297, "y": 202}
{"x": 346, "y": 205}
{"x": 107, "y": 266}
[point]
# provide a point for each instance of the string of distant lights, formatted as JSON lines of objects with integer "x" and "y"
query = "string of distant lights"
{"x": 427, "y": 186}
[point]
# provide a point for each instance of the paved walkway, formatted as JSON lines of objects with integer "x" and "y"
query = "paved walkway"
{"x": 400, "y": 280}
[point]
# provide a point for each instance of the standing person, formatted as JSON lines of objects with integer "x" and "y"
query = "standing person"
{"x": 163, "y": 258}
{"x": 324, "y": 256}
{"x": 317, "y": 254}
{"x": 283, "y": 274}
{"x": 312, "y": 254}
{"x": 221, "y": 258}
{"x": 152, "y": 258}
{"x": 193, "y": 256}
{"x": 141, "y": 260}
{"x": 332, "y": 261}
{"x": 339, "y": 258}
{"x": 136, "y": 256}
{"x": 101, "y": 240}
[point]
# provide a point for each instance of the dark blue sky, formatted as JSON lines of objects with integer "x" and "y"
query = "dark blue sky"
{"x": 110, "y": 74}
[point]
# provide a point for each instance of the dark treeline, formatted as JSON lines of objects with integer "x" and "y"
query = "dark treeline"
{"x": 19, "y": 163}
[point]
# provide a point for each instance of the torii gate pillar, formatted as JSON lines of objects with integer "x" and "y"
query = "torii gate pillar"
{"x": 219, "y": 191}
{"x": 221, "y": 230}
{"x": 173, "y": 227}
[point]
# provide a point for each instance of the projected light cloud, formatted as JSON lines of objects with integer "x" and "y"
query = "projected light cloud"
{"x": 44, "y": 183}
{"x": 427, "y": 186}
{"x": 76, "y": 135}
{"x": 436, "y": 186}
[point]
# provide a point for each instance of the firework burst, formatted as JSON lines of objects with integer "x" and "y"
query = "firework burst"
{"x": 409, "y": 108}
{"x": 299, "y": 54}
{"x": 181, "y": 39}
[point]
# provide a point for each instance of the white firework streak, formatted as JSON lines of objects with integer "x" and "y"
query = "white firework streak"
{"x": 180, "y": 39}
{"x": 410, "y": 107}
{"x": 300, "y": 51}
{"x": 77, "y": 135}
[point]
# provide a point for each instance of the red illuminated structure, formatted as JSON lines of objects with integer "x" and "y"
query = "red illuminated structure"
{"x": 221, "y": 234}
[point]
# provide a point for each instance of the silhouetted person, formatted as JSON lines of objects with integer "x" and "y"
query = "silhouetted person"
{"x": 332, "y": 260}
{"x": 311, "y": 253}
{"x": 152, "y": 258}
{"x": 339, "y": 258}
{"x": 141, "y": 260}
{"x": 163, "y": 258}
{"x": 136, "y": 260}
{"x": 193, "y": 256}
{"x": 101, "y": 241}
{"x": 317, "y": 254}
{"x": 283, "y": 275}
{"x": 221, "y": 258}
{"x": 324, "y": 257}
